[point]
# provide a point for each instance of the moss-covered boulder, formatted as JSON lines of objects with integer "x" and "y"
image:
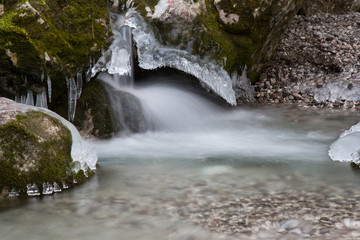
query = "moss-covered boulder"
{"x": 35, "y": 150}
{"x": 234, "y": 33}
{"x": 102, "y": 112}
{"x": 312, "y": 7}
{"x": 47, "y": 38}
{"x": 94, "y": 117}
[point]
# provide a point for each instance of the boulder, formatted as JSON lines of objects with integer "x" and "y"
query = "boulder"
{"x": 44, "y": 41}
{"x": 36, "y": 151}
{"x": 236, "y": 35}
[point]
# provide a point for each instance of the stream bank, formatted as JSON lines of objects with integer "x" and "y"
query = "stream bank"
{"x": 316, "y": 65}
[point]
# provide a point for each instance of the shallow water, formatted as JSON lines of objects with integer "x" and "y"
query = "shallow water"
{"x": 161, "y": 184}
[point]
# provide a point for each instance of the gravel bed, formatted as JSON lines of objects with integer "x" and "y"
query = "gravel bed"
{"x": 316, "y": 65}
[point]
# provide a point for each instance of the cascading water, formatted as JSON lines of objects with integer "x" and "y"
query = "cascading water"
{"x": 205, "y": 172}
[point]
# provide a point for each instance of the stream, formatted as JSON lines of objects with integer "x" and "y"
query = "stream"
{"x": 205, "y": 172}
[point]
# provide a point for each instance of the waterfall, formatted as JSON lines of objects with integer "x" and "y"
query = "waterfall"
{"x": 138, "y": 109}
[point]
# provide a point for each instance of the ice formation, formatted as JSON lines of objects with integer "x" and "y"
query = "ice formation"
{"x": 49, "y": 87}
{"x": 47, "y": 189}
{"x": 64, "y": 185}
{"x": 241, "y": 85}
{"x": 81, "y": 152}
{"x": 337, "y": 91}
{"x": 72, "y": 98}
{"x": 79, "y": 84}
{"x": 57, "y": 188}
{"x": 14, "y": 193}
{"x": 347, "y": 147}
{"x": 41, "y": 100}
{"x": 29, "y": 98}
{"x": 151, "y": 55}
{"x": 32, "y": 190}
{"x": 117, "y": 60}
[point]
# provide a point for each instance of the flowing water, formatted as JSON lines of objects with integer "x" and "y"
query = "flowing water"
{"x": 199, "y": 163}
{"x": 196, "y": 169}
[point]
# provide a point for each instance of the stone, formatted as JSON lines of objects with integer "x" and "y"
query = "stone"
{"x": 51, "y": 37}
{"x": 245, "y": 33}
{"x": 34, "y": 148}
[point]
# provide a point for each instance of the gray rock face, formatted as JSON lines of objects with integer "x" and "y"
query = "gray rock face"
{"x": 35, "y": 148}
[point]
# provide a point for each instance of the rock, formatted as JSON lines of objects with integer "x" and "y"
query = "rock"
{"x": 35, "y": 148}
{"x": 51, "y": 38}
{"x": 101, "y": 115}
{"x": 234, "y": 34}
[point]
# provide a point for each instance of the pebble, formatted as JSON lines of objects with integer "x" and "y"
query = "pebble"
{"x": 315, "y": 66}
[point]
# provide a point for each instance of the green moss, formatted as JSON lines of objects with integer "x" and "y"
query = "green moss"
{"x": 230, "y": 49}
{"x": 141, "y": 5}
{"x": 25, "y": 143}
{"x": 93, "y": 106}
{"x": 69, "y": 32}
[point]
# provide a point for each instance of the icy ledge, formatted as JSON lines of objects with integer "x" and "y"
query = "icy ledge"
{"x": 83, "y": 156}
{"x": 152, "y": 55}
{"x": 347, "y": 147}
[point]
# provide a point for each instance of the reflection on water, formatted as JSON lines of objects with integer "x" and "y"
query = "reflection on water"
{"x": 156, "y": 185}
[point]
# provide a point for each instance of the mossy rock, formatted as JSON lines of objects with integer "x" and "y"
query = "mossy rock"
{"x": 55, "y": 38}
{"x": 97, "y": 117}
{"x": 93, "y": 116}
{"x": 233, "y": 33}
{"x": 35, "y": 148}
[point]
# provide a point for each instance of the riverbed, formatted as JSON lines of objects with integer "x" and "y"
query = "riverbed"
{"x": 249, "y": 173}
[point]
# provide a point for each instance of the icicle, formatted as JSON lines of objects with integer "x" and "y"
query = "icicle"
{"x": 42, "y": 76}
{"x": 242, "y": 86}
{"x": 56, "y": 187}
{"x": 79, "y": 83}
{"x": 49, "y": 87}
{"x": 72, "y": 97}
{"x": 14, "y": 193}
{"x": 152, "y": 54}
{"x": 23, "y": 99}
{"x": 29, "y": 98}
{"x": 64, "y": 185}
{"x": 32, "y": 190}
{"x": 44, "y": 100}
{"x": 41, "y": 100}
{"x": 38, "y": 99}
{"x": 24, "y": 78}
{"x": 47, "y": 189}
{"x": 17, "y": 99}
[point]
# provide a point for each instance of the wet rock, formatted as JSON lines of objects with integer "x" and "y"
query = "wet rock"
{"x": 94, "y": 117}
{"x": 48, "y": 38}
{"x": 231, "y": 33}
{"x": 35, "y": 148}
